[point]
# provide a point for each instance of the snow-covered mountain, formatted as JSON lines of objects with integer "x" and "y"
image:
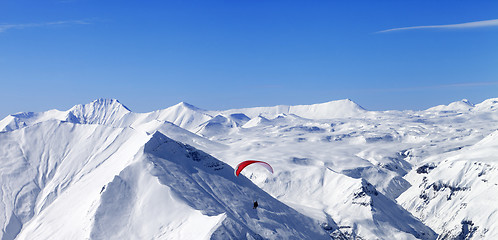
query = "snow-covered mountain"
{"x": 334, "y": 109}
{"x": 69, "y": 181}
{"x": 457, "y": 192}
{"x": 110, "y": 112}
{"x": 460, "y": 106}
{"x": 101, "y": 171}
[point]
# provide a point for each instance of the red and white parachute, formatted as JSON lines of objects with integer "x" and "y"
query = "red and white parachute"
{"x": 244, "y": 164}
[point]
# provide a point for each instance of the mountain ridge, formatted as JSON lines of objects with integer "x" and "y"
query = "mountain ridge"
{"x": 360, "y": 176}
{"x": 204, "y": 187}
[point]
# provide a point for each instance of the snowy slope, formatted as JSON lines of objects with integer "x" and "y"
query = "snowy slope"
{"x": 183, "y": 115}
{"x": 53, "y": 175}
{"x": 456, "y": 193}
{"x": 320, "y": 176}
{"x": 334, "y": 109}
{"x": 489, "y": 105}
{"x": 377, "y": 148}
{"x": 355, "y": 206}
{"x": 360, "y": 174}
{"x": 460, "y": 106}
{"x": 101, "y": 111}
{"x": 41, "y": 162}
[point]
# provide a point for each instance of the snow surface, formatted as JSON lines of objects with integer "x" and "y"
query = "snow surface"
{"x": 101, "y": 171}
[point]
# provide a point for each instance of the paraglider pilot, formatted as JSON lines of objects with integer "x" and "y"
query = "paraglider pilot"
{"x": 244, "y": 164}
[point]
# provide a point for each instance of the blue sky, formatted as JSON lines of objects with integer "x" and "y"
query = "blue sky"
{"x": 231, "y": 54}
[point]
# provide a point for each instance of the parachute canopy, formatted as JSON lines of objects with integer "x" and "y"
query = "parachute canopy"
{"x": 244, "y": 164}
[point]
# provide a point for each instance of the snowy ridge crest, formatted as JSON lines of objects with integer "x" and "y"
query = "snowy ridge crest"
{"x": 488, "y": 105}
{"x": 206, "y": 189}
{"x": 463, "y": 105}
{"x": 163, "y": 146}
{"x": 183, "y": 115}
{"x": 100, "y": 111}
{"x": 333, "y": 109}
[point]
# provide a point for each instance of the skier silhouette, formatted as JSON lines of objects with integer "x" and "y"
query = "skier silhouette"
{"x": 255, "y": 205}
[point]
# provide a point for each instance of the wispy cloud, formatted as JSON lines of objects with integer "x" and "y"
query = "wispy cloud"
{"x": 470, "y": 84}
{"x": 478, "y": 24}
{"x": 433, "y": 87}
{"x": 5, "y": 27}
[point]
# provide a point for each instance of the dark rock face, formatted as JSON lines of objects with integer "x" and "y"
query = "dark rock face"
{"x": 425, "y": 169}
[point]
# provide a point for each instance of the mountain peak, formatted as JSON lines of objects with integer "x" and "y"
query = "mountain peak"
{"x": 344, "y": 102}
{"x": 458, "y": 106}
{"x": 208, "y": 184}
{"x": 99, "y": 111}
{"x": 186, "y": 105}
{"x": 487, "y": 105}
{"x": 332, "y": 109}
{"x": 467, "y": 102}
{"x": 108, "y": 102}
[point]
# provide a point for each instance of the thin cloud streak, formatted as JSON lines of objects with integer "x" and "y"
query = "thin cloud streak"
{"x": 420, "y": 88}
{"x": 478, "y": 24}
{"x": 5, "y": 27}
{"x": 475, "y": 84}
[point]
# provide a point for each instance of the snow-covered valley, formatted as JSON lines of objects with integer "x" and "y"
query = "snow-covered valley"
{"x": 101, "y": 171}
